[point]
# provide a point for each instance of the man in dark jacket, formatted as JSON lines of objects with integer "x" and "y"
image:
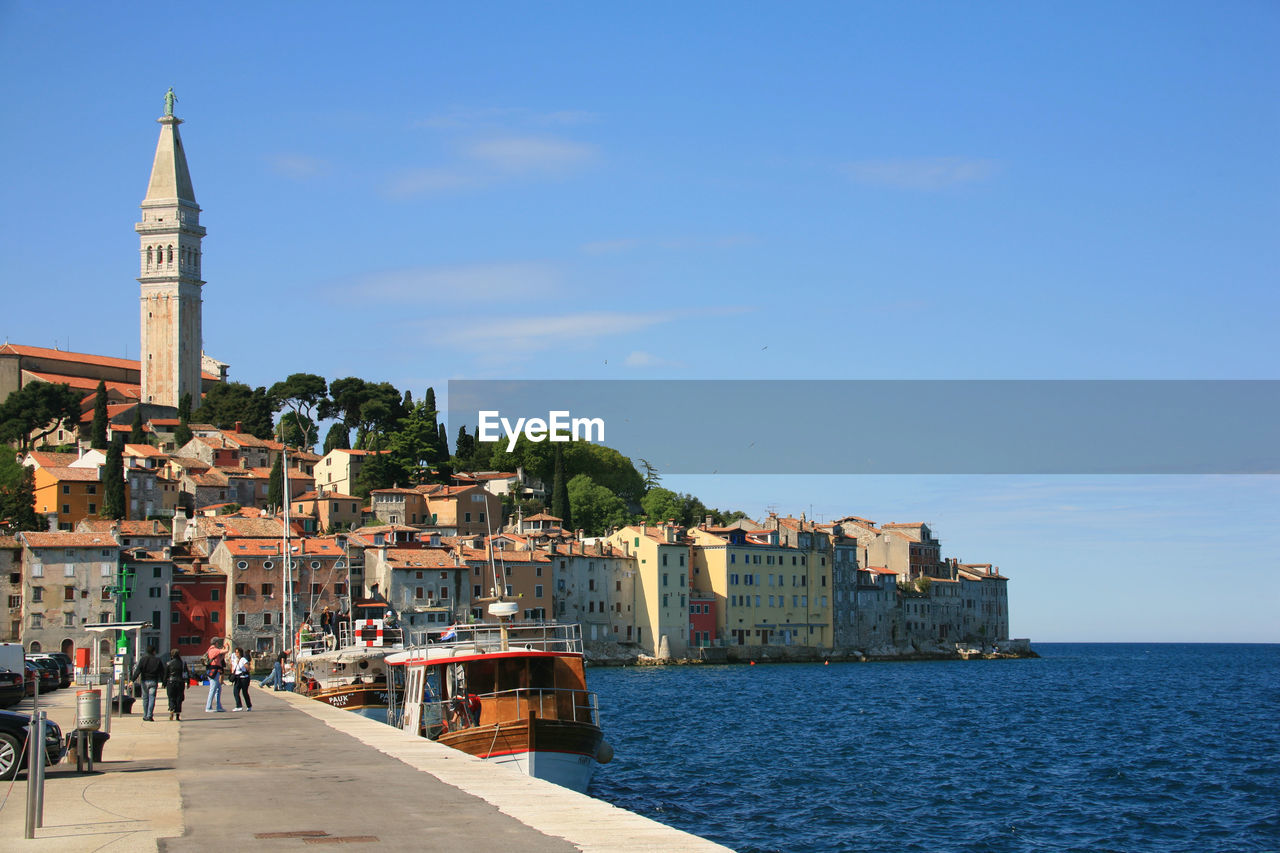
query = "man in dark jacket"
{"x": 150, "y": 671}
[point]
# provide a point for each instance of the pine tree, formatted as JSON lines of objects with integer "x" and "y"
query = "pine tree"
{"x": 560, "y": 493}
{"x": 182, "y": 434}
{"x": 136, "y": 433}
{"x": 98, "y": 430}
{"x": 113, "y": 495}
{"x": 275, "y": 486}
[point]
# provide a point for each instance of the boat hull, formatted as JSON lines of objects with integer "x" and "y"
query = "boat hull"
{"x": 557, "y": 751}
{"x": 367, "y": 701}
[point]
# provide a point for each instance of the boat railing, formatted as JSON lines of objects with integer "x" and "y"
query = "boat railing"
{"x": 564, "y": 637}
{"x": 510, "y": 706}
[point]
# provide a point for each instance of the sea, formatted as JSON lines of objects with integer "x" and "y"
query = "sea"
{"x": 1091, "y": 747}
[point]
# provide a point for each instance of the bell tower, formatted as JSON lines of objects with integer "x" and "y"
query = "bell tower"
{"x": 170, "y": 255}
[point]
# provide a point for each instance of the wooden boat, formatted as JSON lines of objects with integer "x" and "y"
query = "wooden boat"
{"x": 513, "y": 694}
{"x": 353, "y": 676}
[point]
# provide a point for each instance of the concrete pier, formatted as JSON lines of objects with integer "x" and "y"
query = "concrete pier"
{"x": 293, "y": 773}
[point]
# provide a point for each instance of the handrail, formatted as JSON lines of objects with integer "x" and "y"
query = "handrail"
{"x": 455, "y": 714}
{"x": 487, "y": 636}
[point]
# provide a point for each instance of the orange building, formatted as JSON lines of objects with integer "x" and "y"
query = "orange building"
{"x": 69, "y": 495}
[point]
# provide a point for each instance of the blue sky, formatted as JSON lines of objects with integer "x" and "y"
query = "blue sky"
{"x": 415, "y": 193}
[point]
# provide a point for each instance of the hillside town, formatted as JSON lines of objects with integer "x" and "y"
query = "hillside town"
{"x": 132, "y": 507}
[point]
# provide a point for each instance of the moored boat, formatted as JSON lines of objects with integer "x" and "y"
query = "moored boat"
{"x": 350, "y": 671}
{"x": 513, "y": 694}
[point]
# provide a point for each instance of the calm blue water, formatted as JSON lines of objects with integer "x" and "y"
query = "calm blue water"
{"x": 1092, "y": 747}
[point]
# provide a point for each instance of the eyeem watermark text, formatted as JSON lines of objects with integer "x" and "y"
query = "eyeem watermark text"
{"x": 558, "y": 426}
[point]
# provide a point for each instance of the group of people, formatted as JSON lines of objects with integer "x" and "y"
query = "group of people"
{"x": 151, "y": 672}
{"x": 220, "y": 657}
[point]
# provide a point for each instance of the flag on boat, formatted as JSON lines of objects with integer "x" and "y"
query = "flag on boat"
{"x": 450, "y": 633}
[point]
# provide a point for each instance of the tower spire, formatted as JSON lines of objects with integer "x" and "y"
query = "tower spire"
{"x": 170, "y": 234}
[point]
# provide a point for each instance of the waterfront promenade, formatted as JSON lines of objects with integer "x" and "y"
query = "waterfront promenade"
{"x": 294, "y": 773}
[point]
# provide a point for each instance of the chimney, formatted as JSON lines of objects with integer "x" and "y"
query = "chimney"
{"x": 239, "y": 427}
{"x": 706, "y": 522}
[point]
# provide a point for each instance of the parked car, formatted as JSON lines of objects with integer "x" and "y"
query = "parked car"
{"x": 14, "y": 731}
{"x": 47, "y": 676}
{"x": 13, "y": 687}
{"x": 61, "y": 661}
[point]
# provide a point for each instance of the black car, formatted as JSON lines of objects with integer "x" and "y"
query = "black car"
{"x": 47, "y": 675}
{"x": 14, "y": 730}
{"x": 12, "y": 687}
{"x": 61, "y": 661}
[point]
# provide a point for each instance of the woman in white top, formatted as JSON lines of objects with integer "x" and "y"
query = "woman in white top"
{"x": 240, "y": 681}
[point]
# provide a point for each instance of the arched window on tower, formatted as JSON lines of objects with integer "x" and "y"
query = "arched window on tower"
{"x": 148, "y": 256}
{"x": 171, "y": 253}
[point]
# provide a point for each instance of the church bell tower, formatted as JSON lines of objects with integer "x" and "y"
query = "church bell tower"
{"x": 170, "y": 255}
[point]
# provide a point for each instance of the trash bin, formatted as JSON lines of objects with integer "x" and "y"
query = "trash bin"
{"x": 123, "y": 704}
{"x": 95, "y": 749}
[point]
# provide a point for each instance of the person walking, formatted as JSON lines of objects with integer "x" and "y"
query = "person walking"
{"x": 215, "y": 661}
{"x": 240, "y": 681}
{"x": 175, "y": 683}
{"x": 150, "y": 671}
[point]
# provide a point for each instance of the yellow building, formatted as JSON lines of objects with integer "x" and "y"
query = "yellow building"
{"x": 662, "y": 582}
{"x": 69, "y": 495}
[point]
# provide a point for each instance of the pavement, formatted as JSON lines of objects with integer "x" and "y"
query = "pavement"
{"x": 294, "y": 773}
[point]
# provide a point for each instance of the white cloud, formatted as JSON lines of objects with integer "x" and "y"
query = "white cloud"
{"x": 525, "y": 333}
{"x": 415, "y": 182}
{"x": 531, "y": 154}
{"x": 490, "y": 117}
{"x": 299, "y": 167}
{"x": 640, "y": 358}
{"x": 923, "y": 173}
{"x": 476, "y": 284}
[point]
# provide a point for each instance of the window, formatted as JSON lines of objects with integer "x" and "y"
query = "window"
{"x": 537, "y": 591}
{"x": 339, "y": 589}
{"x": 444, "y": 591}
{"x": 315, "y": 589}
{"x": 665, "y": 577}
{"x": 664, "y": 559}
{"x": 68, "y": 593}
{"x": 156, "y": 572}
{"x": 417, "y": 592}
{"x": 68, "y": 620}
{"x": 267, "y": 564}
{"x": 106, "y": 593}
{"x": 242, "y": 565}
{"x": 268, "y": 589}
{"x": 240, "y": 619}
{"x": 468, "y": 517}
{"x": 155, "y": 618}
{"x": 66, "y": 490}
{"x": 69, "y": 570}
{"x": 266, "y": 618}
{"x": 214, "y": 616}
{"x": 475, "y": 591}
{"x": 93, "y": 508}
{"x": 37, "y": 620}
{"x": 153, "y": 592}
{"x": 213, "y": 595}
{"x": 241, "y": 589}
{"x": 315, "y": 564}
{"x": 37, "y": 570}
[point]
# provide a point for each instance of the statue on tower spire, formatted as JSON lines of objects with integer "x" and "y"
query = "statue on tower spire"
{"x": 169, "y": 100}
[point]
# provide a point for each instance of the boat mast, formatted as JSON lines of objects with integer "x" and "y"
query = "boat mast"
{"x": 286, "y": 620}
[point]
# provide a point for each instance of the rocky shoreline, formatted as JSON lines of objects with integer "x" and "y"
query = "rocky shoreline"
{"x": 614, "y": 654}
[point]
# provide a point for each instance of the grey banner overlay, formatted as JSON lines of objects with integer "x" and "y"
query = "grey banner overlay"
{"x": 909, "y": 426}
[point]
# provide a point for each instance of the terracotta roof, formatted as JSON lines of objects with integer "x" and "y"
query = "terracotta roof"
{"x": 163, "y": 421}
{"x": 126, "y": 528}
{"x": 357, "y": 452}
{"x": 327, "y": 496}
{"x": 84, "y": 475}
{"x": 543, "y": 516}
{"x": 63, "y": 355}
{"x": 271, "y": 547}
{"x": 231, "y": 526}
{"x": 482, "y": 555}
{"x": 145, "y": 450}
{"x": 46, "y": 459}
{"x": 395, "y": 491}
{"x": 63, "y": 539}
{"x": 421, "y": 558}
{"x": 9, "y": 542}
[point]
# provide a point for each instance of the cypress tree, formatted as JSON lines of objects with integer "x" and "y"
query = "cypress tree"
{"x": 136, "y": 434}
{"x": 113, "y": 495}
{"x": 560, "y": 493}
{"x": 182, "y": 434}
{"x": 98, "y": 430}
{"x": 338, "y": 438}
{"x": 275, "y": 486}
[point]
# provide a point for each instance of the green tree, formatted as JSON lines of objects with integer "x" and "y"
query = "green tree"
{"x": 561, "y": 507}
{"x": 36, "y": 411}
{"x": 275, "y": 484}
{"x": 229, "y": 403}
{"x": 659, "y": 505}
{"x": 594, "y": 508}
{"x": 379, "y": 471}
{"x": 18, "y": 500}
{"x": 182, "y": 434}
{"x": 651, "y": 476}
{"x": 302, "y": 394}
{"x": 607, "y": 467}
{"x": 113, "y": 496}
{"x": 98, "y": 429}
{"x": 413, "y": 443}
{"x": 137, "y": 435}
{"x": 338, "y": 438}
{"x": 295, "y": 430}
